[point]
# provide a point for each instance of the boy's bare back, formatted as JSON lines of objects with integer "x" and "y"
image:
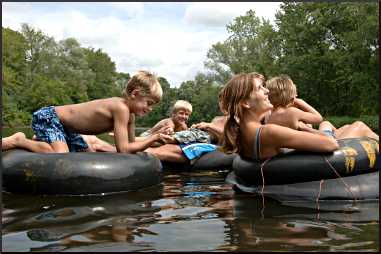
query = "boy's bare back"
{"x": 286, "y": 117}
{"x": 94, "y": 117}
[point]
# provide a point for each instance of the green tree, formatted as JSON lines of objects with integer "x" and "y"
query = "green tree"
{"x": 330, "y": 50}
{"x": 13, "y": 76}
{"x": 72, "y": 70}
{"x": 250, "y": 47}
{"x": 105, "y": 75}
{"x": 121, "y": 81}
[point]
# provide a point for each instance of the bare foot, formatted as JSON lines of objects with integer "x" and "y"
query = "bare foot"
{"x": 12, "y": 141}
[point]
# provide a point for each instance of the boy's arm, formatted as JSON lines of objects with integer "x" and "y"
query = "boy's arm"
{"x": 131, "y": 128}
{"x": 216, "y": 127}
{"x": 161, "y": 125}
{"x": 121, "y": 118}
{"x": 306, "y": 112}
{"x": 121, "y": 115}
{"x": 305, "y": 127}
{"x": 277, "y": 136}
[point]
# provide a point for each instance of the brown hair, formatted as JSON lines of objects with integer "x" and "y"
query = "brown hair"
{"x": 238, "y": 88}
{"x": 281, "y": 90}
{"x": 147, "y": 82}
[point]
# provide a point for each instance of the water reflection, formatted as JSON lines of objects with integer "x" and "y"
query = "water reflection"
{"x": 188, "y": 212}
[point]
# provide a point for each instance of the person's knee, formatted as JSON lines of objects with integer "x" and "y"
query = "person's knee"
{"x": 324, "y": 125}
{"x": 58, "y": 147}
{"x": 359, "y": 126}
{"x": 46, "y": 148}
{"x": 58, "y": 150}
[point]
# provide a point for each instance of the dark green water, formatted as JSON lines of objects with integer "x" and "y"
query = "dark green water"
{"x": 189, "y": 211}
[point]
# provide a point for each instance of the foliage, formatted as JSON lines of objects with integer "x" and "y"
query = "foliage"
{"x": 330, "y": 50}
{"x": 371, "y": 121}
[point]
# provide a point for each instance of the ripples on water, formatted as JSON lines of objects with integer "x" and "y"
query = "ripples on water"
{"x": 194, "y": 211}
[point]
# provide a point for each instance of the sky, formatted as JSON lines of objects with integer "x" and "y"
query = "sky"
{"x": 170, "y": 39}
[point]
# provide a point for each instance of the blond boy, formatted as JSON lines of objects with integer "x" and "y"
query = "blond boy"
{"x": 288, "y": 110}
{"x": 57, "y": 128}
{"x": 180, "y": 114}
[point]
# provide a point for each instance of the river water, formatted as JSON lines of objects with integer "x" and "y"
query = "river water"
{"x": 188, "y": 211}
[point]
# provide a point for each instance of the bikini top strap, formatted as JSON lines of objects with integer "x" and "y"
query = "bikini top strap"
{"x": 257, "y": 144}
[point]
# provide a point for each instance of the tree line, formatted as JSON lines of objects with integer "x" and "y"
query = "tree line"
{"x": 330, "y": 50}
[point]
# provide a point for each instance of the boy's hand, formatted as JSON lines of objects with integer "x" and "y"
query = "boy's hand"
{"x": 167, "y": 130}
{"x": 166, "y": 139}
{"x": 202, "y": 126}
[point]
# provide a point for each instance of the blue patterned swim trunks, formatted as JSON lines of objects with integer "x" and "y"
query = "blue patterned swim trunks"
{"x": 48, "y": 128}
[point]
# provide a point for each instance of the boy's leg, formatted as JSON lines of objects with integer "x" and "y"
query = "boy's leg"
{"x": 327, "y": 129}
{"x": 326, "y": 125}
{"x": 357, "y": 129}
{"x": 18, "y": 140}
{"x": 47, "y": 128}
{"x": 12, "y": 141}
{"x": 59, "y": 147}
{"x": 168, "y": 152}
{"x": 95, "y": 144}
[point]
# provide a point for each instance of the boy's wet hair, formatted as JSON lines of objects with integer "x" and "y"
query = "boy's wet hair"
{"x": 148, "y": 84}
{"x": 181, "y": 104}
{"x": 282, "y": 90}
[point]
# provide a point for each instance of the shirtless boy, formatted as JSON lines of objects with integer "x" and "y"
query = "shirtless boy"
{"x": 288, "y": 110}
{"x": 57, "y": 128}
{"x": 297, "y": 114}
{"x": 180, "y": 114}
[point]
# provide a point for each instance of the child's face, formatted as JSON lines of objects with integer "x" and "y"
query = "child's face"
{"x": 181, "y": 116}
{"x": 143, "y": 105}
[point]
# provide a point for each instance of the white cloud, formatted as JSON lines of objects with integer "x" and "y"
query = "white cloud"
{"x": 220, "y": 14}
{"x": 11, "y": 14}
{"x": 132, "y": 36}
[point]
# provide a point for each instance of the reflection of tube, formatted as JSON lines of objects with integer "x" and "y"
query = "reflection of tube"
{"x": 57, "y": 233}
{"x": 171, "y": 237}
{"x": 74, "y": 210}
{"x": 363, "y": 187}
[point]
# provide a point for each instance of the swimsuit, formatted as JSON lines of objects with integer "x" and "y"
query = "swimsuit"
{"x": 257, "y": 145}
{"x": 194, "y": 143}
{"x": 329, "y": 133}
{"x": 48, "y": 128}
{"x": 194, "y": 151}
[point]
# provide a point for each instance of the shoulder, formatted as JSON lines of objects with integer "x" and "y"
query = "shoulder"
{"x": 218, "y": 119}
{"x": 118, "y": 105}
{"x": 293, "y": 111}
{"x": 163, "y": 122}
{"x": 166, "y": 121}
{"x": 275, "y": 131}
